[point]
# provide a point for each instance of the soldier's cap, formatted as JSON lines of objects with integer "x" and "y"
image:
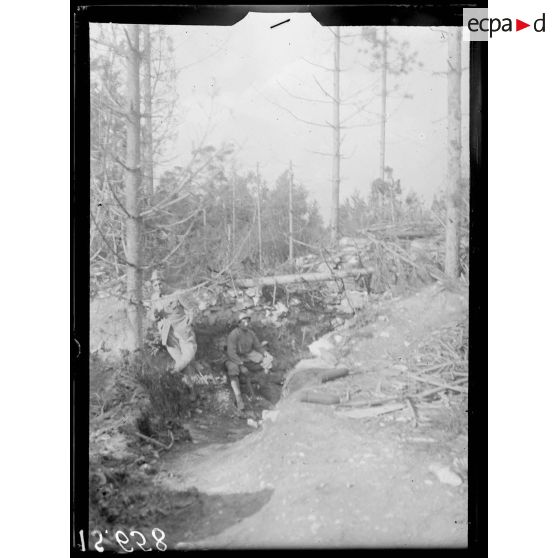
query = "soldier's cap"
{"x": 243, "y": 316}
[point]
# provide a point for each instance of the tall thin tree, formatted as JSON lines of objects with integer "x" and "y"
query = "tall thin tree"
{"x": 453, "y": 193}
{"x": 383, "y": 114}
{"x": 336, "y": 130}
{"x": 392, "y": 57}
{"x": 148, "y": 113}
{"x": 336, "y": 124}
{"x": 133, "y": 185}
{"x": 291, "y": 231}
{"x": 233, "y": 224}
{"x": 259, "y": 202}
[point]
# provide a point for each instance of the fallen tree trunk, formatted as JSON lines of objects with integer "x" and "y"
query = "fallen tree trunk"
{"x": 320, "y": 398}
{"x": 301, "y": 278}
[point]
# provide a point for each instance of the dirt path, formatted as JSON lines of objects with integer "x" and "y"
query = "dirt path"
{"x": 334, "y": 483}
{"x": 314, "y": 478}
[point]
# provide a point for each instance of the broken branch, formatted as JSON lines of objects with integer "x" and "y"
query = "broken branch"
{"x": 438, "y": 383}
{"x": 156, "y": 442}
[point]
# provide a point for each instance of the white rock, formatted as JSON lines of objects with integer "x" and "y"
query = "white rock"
{"x": 445, "y": 474}
{"x": 270, "y": 416}
{"x": 279, "y": 311}
{"x": 322, "y": 348}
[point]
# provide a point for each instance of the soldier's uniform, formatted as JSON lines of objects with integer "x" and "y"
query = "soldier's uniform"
{"x": 244, "y": 364}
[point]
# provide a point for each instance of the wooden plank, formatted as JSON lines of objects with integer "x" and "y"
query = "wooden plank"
{"x": 301, "y": 278}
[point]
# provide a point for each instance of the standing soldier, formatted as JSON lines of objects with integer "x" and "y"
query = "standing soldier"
{"x": 174, "y": 321}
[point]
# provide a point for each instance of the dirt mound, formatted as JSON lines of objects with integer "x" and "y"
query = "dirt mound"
{"x": 337, "y": 481}
{"x": 333, "y": 483}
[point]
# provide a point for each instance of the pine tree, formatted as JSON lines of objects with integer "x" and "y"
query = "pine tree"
{"x": 133, "y": 187}
{"x": 453, "y": 190}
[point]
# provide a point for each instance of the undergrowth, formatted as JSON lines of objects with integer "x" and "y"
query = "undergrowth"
{"x": 168, "y": 394}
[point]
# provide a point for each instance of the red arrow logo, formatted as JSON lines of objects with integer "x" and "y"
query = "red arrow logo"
{"x": 519, "y": 25}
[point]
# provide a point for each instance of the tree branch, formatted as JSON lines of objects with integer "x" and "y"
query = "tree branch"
{"x": 175, "y": 249}
{"x": 100, "y": 105}
{"x": 301, "y": 98}
{"x": 186, "y": 219}
{"x": 120, "y": 259}
{"x": 319, "y": 66}
{"x": 123, "y": 165}
{"x": 121, "y": 205}
{"x": 359, "y": 91}
{"x": 132, "y": 48}
{"x": 297, "y": 117}
{"x": 324, "y": 91}
{"x": 167, "y": 201}
{"x": 113, "y": 48}
{"x": 361, "y": 109}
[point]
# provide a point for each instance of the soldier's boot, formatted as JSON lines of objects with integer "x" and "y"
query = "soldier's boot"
{"x": 237, "y": 395}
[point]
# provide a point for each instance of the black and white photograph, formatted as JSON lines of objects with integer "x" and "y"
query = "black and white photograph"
{"x": 279, "y": 226}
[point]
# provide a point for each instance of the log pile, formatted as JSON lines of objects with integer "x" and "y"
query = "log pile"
{"x": 373, "y": 261}
{"x": 444, "y": 356}
{"x": 344, "y": 278}
{"x": 435, "y": 375}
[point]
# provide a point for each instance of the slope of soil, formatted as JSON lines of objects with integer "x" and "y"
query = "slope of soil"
{"x": 315, "y": 478}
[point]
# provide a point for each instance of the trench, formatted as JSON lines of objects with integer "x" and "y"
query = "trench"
{"x": 209, "y": 424}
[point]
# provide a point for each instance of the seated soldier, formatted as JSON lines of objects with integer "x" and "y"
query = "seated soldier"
{"x": 246, "y": 359}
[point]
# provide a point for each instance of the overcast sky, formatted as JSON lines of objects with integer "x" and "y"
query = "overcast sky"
{"x": 249, "y": 66}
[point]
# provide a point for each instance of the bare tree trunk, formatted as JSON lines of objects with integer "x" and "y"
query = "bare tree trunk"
{"x": 233, "y": 225}
{"x": 148, "y": 107}
{"x": 133, "y": 185}
{"x": 392, "y": 200}
{"x": 259, "y": 201}
{"x": 204, "y": 217}
{"x": 454, "y": 154}
{"x": 336, "y": 179}
{"x": 384, "y": 116}
{"x": 291, "y": 251}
